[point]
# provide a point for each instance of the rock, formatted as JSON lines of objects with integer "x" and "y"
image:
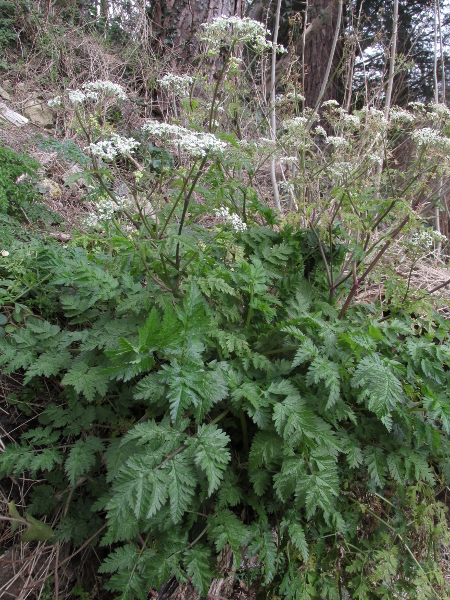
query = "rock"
{"x": 11, "y": 116}
{"x": 38, "y": 112}
{"x": 46, "y": 159}
{"x": 4, "y": 94}
{"x": 69, "y": 179}
{"x": 50, "y": 187}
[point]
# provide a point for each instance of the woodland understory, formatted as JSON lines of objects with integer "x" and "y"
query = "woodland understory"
{"x": 224, "y": 289}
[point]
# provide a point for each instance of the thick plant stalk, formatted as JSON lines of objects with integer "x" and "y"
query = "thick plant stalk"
{"x": 390, "y": 84}
{"x": 331, "y": 58}
{"x": 437, "y": 223}
{"x": 442, "y": 52}
{"x": 273, "y": 122}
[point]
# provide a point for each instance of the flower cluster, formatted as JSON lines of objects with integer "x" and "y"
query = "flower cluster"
{"x": 91, "y": 92}
{"x": 223, "y": 31}
{"x": 77, "y": 96}
{"x": 330, "y": 103}
{"x": 109, "y": 149}
{"x": 105, "y": 88}
{"x": 427, "y": 238}
{"x": 4, "y": 253}
{"x": 339, "y": 169}
{"x": 337, "y": 141}
{"x": 178, "y": 84}
{"x": 401, "y": 115}
{"x": 439, "y": 111}
{"x": 197, "y": 144}
{"x": 105, "y": 209}
{"x": 55, "y": 102}
{"x": 234, "y": 220}
{"x": 426, "y": 136}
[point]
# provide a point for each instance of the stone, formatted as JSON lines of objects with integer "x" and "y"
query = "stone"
{"x": 38, "y": 112}
{"x": 11, "y": 116}
{"x": 78, "y": 183}
{"x": 50, "y": 187}
{"x": 4, "y": 94}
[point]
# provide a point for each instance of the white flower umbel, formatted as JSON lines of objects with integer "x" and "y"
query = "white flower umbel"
{"x": 105, "y": 88}
{"x": 198, "y": 144}
{"x": 178, "y": 84}
{"x": 106, "y": 208}
{"x": 163, "y": 130}
{"x": 330, "y": 103}
{"x": 340, "y": 169}
{"x": 337, "y": 141}
{"x": 350, "y": 121}
{"x": 375, "y": 158}
{"x": 426, "y": 136}
{"x": 55, "y": 102}
{"x": 440, "y": 111}
{"x": 234, "y": 220}
{"x": 124, "y": 145}
{"x": 224, "y": 31}
{"x": 103, "y": 149}
{"x": 109, "y": 149}
{"x": 319, "y": 130}
{"x": 400, "y": 115}
{"x": 4, "y": 253}
{"x": 77, "y": 96}
{"x": 202, "y": 144}
{"x": 417, "y": 106}
{"x": 426, "y": 238}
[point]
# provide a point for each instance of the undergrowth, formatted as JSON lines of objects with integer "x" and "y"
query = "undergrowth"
{"x": 216, "y": 387}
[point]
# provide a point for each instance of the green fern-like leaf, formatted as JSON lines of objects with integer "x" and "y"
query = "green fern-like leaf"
{"x": 211, "y": 454}
{"x": 196, "y": 562}
{"x": 181, "y": 487}
{"x": 298, "y": 539}
{"x": 381, "y": 389}
{"x": 82, "y": 457}
{"x": 87, "y": 381}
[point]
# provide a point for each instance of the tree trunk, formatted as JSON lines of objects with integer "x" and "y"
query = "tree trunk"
{"x": 319, "y": 40}
{"x": 104, "y": 9}
{"x": 176, "y": 22}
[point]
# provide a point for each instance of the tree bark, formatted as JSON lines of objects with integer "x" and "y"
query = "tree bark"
{"x": 318, "y": 45}
{"x": 175, "y": 22}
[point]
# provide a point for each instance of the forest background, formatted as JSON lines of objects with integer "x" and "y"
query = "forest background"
{"x": 224, "y": 334}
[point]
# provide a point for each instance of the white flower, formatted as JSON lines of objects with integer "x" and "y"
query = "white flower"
{"x": 289, "y": 160}
{"x": 295, "y": 97}
{"x": 417, "y": 106}
{"x": 178, "y": 84}
{"x": 223, "y": 31}
{"x": 339, "y": 169}
{"x": 4, "y": 253}
{"x": 124, "y": 145}
{"x": 196, "y": 143}
{"x": 401, "y": 115}
{"x": 234, "y": 220}
{"x": 201, "y": 144}
{"x": 106, "y": 88}
{"x": 163, "y": 130}
{"x": 351, "y": 120}
{"x": 426, "y": 136}
{"x": 337, "y": 141}
{"x": 440, "y": 110}
{"x": 105, "y": 209}
{"x": 376, "y": 158}
{"x": 77, "y": 96}
{"x": 109, "y": 149}
{"x": 330, "y": 103}
{"x": 320, "y": 131}
{"x": 55, "y": 102}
